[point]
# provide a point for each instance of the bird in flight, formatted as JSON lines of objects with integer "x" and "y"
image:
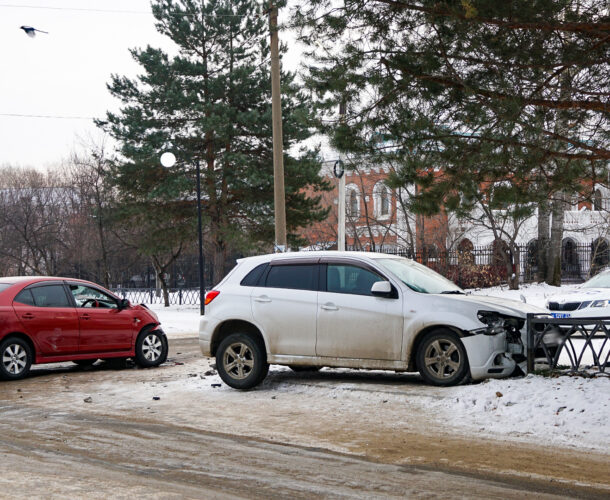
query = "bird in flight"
{"x": 31, "y": 32}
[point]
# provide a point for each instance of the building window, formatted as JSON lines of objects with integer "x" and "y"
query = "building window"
{"x": 384, "y": 203}
{"x": 352, "y": 203}
{"x": 600, "y": 255}
{"x": 597, "y": 200}
{"x": 382, "y": 197}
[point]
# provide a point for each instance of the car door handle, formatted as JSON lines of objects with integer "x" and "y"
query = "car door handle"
{"x": 329, "y": 307}
{"x": 262, "y": 298}
{"x": 27, "y": 316}
{"x": 84, "y": 316}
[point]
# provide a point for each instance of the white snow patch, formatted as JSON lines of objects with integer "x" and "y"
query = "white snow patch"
{"x": 178, "y": 321}
{"x": 564, "y": 411}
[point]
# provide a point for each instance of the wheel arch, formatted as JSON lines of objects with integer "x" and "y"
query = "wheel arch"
{"x": 420, "y": 336}
{"x": 146, "y": 328}
{"x": 26, "y": 338}
{"x": 232, "y": 326}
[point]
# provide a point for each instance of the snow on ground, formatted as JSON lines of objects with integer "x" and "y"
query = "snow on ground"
{"x": 534, "y": 293}
{"x": 564, "y": 411}
{"x": 177, "y": 321}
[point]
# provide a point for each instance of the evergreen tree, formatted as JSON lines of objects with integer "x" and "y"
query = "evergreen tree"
{"x": 210, "y": 103}
{"x": 468, "y": 95}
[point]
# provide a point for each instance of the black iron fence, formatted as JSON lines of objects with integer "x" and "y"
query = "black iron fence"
{"x": 583, "y": 342}
{"x": 179, "y": 296}
{"x": 473, "y": 267}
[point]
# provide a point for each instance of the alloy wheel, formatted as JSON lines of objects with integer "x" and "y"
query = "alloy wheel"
{"x": 442, "y": 358}
{"x": 238, "y": 360}
{"x": 152, "y": 347}
{"x": 14, "y": 359}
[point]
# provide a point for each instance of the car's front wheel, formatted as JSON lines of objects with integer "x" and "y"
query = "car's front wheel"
{"x": 241, "y": 361}
{"x": 15, "y": 358}
{"x": 441, "y": 358}
{"x": 151, "y": 349}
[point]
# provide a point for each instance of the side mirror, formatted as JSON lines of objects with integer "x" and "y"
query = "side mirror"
{"x": 123, "y": 304}
{"x": 382, "y": 289}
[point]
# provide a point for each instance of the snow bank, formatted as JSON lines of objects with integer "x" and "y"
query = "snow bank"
{"x": 564, "y": 411}
{"x": 178, "y": 321}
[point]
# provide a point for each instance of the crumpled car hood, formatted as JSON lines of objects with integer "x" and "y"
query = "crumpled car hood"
{"x": 503, "y": 306}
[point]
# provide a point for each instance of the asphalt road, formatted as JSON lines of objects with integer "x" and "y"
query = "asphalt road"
{"x": 54, "y": 449}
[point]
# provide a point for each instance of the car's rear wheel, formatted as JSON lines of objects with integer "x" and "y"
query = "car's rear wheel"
{"x": 441, "y": 358}
{"x": 241, "y": 361}
{"x": 300, "y": 368}
{"x": 151, "y": 349}
{"x": 15, "y": 358}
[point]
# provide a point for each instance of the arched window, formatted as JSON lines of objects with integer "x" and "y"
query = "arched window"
{"x": 570, "y": 266}
{"x": 597, "y": 200}
{"x": 382, "y": 198}
{"x": 384, "y": 202}
{"x": 353, "y": 203}
{"x": 600, "y": 255}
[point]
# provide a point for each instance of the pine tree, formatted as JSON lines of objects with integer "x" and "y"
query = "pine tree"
{"x": 468, "y": 96}
{"x": 210, "y": 103}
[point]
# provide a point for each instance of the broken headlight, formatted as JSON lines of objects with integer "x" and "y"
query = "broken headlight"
{"x": 498, "y": 323}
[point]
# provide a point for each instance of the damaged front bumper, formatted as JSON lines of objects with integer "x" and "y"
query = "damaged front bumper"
{"x": 497, "y": 350}
{"x": 492, "y": 356}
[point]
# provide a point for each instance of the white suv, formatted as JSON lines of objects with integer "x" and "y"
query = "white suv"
{"x": 356, "y": 310}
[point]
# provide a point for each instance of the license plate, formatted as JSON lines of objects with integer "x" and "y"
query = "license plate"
{"x": 560, "y": 315}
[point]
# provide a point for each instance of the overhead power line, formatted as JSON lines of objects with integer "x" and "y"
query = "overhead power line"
{"x": 20, "y": 115}
{"x": 111, "y": 11}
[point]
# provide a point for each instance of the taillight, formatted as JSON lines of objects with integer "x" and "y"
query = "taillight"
{"x": 210, "y": 296}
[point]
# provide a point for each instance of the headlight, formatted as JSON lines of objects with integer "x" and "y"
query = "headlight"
{"x": 600, "y": 303}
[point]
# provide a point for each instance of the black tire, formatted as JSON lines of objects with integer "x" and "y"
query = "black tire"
{"x": 241, "y": 361}
{"x": 441, "y": 358}
{"x": 300, "y": 368}
{"x": 16, "y": 358}
{"x": 151, "y": 349}
{"x": 84, "y": 362}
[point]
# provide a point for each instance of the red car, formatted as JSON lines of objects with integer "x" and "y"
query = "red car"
{"x": 47, "y": 320}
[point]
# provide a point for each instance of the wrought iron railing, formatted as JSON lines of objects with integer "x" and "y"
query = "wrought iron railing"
{"x": 579, "y": 340}
{"x": 177, "y": 296}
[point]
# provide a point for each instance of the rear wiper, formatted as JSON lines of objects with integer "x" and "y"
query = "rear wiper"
{"x": 452, "y": 292}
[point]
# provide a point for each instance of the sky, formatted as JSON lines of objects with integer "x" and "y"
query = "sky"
{"x": 59, "y": 80}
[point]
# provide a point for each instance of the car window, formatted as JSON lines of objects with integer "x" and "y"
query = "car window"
{"x": 86, "y": 296}
{"x": 4, "y": 286}
{"x": 350, "y": 279}
{"x": 299, "y": 277}
{"x": 25, "y": 297}
{"x": 50, "y": 296}
{"x": 253, "y": 276}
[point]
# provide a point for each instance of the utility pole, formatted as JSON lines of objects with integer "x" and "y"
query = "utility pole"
{"x": 279, "y": 195}
{"x": 341, "y": 176}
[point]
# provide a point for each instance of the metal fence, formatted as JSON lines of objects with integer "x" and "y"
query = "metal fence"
{"x": 472, "y": 267}
{"x": 180, "y": 296}
{"x": 584, "y": 342}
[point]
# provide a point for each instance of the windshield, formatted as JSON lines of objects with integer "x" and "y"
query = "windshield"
{"x": 417, "y": 277}
{"x": 602, "y": 280}
{"x": 4, "y": 286}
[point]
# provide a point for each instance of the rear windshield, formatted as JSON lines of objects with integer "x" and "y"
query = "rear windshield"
{"x": 4, "y": 286}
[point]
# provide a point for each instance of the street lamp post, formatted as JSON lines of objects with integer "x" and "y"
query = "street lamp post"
{"x": 339, "y": 172}
{"x": 168, "y": 160}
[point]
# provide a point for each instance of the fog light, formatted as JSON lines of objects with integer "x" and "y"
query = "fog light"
{"x": 498, "y": 359}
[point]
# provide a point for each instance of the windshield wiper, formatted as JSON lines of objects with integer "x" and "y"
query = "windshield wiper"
{"x": 453, "y": 292}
